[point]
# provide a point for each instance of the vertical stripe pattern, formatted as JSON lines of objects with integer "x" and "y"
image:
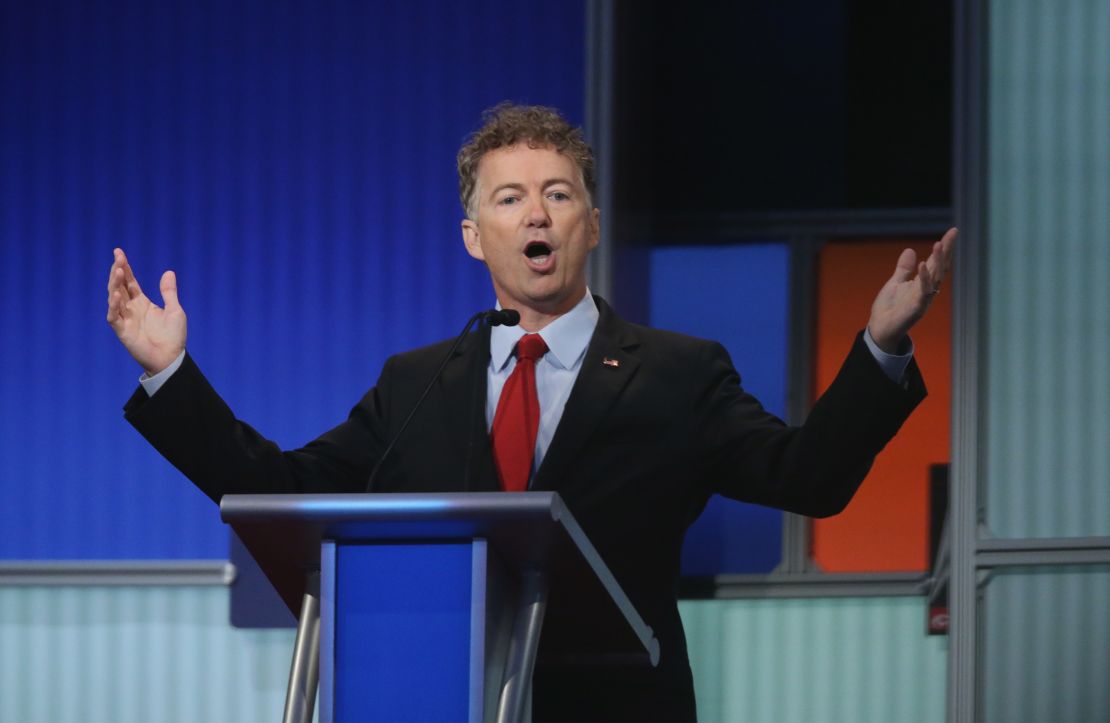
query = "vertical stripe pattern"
{"x": 1046, "y": 642}
{"x": 293, "y": 161}
{"x": 1047, "y": 390}
{"x": 168, "y": 654}
{"x": 836, "y": 659}
{"x": 142, "y": 655}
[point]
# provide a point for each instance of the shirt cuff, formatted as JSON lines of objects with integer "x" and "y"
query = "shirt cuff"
{"x": 893, "y": 365}
{"x": 152, "y": 384}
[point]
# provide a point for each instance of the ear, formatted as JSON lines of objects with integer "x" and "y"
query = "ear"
{"x": 472, "y": 239}
{"x": 595, "y": 227}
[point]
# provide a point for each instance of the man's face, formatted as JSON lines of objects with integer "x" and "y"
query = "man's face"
{"x": 534, "y": 229}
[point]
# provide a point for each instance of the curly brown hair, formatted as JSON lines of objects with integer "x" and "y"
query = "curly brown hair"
{"x": 507, "y": 124}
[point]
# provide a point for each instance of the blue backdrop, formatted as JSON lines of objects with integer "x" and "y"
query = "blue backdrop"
{"x": 293, "y": 162}
{"x": 737, "y": 295}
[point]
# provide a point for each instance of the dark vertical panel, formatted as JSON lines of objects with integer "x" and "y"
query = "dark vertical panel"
{"x": 293, "y": 162}
{"x": 738, "y": 296}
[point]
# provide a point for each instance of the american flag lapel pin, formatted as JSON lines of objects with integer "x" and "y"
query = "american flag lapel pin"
{"x": 610, "y": 362}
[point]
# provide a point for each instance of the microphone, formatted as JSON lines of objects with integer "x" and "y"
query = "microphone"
{"x": 502, "y": 317}
{"x": 493, "y": 317}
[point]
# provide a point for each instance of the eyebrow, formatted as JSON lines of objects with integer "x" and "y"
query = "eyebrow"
{"x": 520, "y": 186}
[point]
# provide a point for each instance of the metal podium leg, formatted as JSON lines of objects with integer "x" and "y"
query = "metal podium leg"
{"x": 304, "y": 673}
{"x": 515, "y": 705}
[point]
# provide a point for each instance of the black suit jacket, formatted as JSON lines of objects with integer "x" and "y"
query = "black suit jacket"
{"x": 641, "y": 446}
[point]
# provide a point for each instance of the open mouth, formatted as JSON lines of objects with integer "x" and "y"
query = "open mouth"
{"x": 538, "y": 252}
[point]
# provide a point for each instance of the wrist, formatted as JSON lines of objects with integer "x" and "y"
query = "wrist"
{"x": 888, "y": 343}
{"x": 154, "y": 367}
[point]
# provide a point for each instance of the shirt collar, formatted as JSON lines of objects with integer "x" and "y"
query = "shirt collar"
{"x": 567, "y": 337}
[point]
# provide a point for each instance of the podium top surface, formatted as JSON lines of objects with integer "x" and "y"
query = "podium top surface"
{"x": 527, "y": 530}
{"x": 525, "y": 527}
{"x": 339, "y": 510}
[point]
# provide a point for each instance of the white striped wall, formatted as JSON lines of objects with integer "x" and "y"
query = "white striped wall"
{"x": 156, "y": 655}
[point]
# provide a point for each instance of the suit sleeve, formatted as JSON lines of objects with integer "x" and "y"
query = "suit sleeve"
{"x": 192, "y": 427}
{"x": 815, "y": 469}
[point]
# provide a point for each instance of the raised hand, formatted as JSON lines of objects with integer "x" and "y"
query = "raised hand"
{"x": 155, "y": 336}
{"x": 905, "y": 297}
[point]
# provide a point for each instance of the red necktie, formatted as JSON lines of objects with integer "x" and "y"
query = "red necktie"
{"x": 518, "y": 417}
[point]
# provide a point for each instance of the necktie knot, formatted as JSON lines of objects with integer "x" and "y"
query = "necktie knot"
{"x": 531, "y": 347}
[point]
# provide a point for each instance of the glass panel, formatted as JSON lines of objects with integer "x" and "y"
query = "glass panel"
{"x": 1046, "y": 644}
{"x": 135, "y": 655}
{"x": 1048, "y": 309}
{"x": 857, "y": 660}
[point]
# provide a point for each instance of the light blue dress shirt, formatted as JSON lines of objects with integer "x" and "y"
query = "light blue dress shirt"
{"x": 567, "y": 338}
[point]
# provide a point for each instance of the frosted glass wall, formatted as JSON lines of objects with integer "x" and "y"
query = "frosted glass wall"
{"x": 844, "y": 659}
{"x": 168, "y": 654}
{"x": 141, "y": 655}
{"x": 1046, "y": 640}
{"x": 1047, "y": 387}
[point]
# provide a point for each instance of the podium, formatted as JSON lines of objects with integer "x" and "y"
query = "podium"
{"x": 425, "y": 606}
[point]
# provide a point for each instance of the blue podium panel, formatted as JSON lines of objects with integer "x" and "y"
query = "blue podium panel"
{"x": 403, "y": 650}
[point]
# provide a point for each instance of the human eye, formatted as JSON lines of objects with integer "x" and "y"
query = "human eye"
{"x": 508, "y": 200}
{"x": 559, "y": 196}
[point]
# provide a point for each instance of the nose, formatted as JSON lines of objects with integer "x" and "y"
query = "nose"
{"x": 538, "y": 216}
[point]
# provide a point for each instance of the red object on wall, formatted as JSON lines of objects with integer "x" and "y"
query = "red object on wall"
{"x": 886, "y": 526}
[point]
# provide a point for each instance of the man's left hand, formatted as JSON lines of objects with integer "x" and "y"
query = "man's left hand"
{"x": 905, "y": 298}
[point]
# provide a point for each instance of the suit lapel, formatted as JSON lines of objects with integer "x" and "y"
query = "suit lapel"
{"x": 463, "y": 386}
{"x": 606, "y": 370}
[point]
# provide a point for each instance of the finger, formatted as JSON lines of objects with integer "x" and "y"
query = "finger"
{"x": 133, "y": 288}
{"x": 926, "y": 282}
{"x": 904, "y": 269}
{"x": 112, "y": 276}
{"x": 117, "y": 283}
{"x": 940, "y": 260}
{"x": 935, "y": 262}
{"x": 115, "y": 301}
{"x": 168, "y": 287}
{"x": 943, "y": 248}
{"x": 947, "y": 245}
{"x": 116, "y": 263}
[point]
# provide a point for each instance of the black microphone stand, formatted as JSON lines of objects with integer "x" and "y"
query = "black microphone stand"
{"x": 493, "y": 317}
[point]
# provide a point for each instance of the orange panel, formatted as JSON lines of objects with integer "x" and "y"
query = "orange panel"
{"x": 886, "y": 526}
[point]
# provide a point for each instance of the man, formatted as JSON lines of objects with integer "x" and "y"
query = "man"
{"x": 636, "y": 428}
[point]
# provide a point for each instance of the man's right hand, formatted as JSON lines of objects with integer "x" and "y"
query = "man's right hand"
{"x": 154, "y": 336}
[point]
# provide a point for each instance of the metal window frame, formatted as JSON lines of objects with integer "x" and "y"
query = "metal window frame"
{"x": 973, "y": 553}
{"x": 600, "y": 31}
{"x": 969, "y": 196}
{"x": 116, "y": 573}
